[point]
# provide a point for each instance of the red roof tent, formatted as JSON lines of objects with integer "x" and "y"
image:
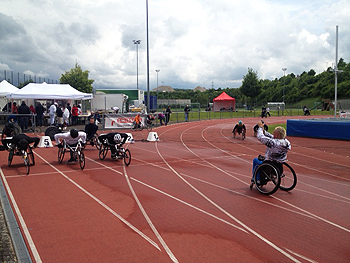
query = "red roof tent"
{"x": 224, "y": 101}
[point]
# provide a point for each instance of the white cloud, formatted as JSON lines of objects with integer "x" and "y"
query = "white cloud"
{"x": 192, "y": 42}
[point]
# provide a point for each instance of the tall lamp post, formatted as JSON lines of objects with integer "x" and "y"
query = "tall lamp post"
{"x": 137, "y": 42}
{"x": 157, "y": 70}
{"x": 284, "y": 81}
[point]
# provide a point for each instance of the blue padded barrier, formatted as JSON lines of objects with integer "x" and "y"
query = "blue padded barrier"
{"x": 333, "y": 128}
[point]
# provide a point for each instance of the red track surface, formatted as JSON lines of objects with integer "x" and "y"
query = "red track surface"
{"x": 185, "y": 198}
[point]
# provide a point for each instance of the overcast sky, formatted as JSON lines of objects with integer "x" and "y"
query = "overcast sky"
{"x": 208, "y": 43}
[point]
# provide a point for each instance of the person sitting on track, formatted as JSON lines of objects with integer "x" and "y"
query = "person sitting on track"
{"x": 91, "y": 129}
{"x": 256, "y": 127}
{"x": 137, "y": 121}
{"x": 72, "y": 137}
{"x": 277, "y": 147}
{"x": 239, "y": 128}
{"x": 13, "y": 141}
{"x": 114, "y": 139}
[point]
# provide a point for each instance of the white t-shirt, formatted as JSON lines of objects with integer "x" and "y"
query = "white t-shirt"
{"x": 52, "y": 109}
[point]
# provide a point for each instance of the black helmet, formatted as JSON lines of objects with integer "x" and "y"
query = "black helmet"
{"x": 74, "y": 133}
{"x": 22, "y": 144}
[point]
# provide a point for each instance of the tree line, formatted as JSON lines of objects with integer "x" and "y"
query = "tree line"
{"x": 257, "y": 92}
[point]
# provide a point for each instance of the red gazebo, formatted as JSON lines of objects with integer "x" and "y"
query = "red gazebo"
{"x": 224, "y": 102}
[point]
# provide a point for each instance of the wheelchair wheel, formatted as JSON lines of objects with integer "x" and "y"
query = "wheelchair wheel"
{"x": 127, "y": 157}
{"x": 26, "y": 161}
{"x": 267, "y": 179}
{"x": 10, "y": 158}
{"x": 31, "y": 156}
{"x": 102, "y": 153}
{"x": 51, "y": 131}
{"x": 61, "y": 152}
{"x": 149, "y": 126}
{"x": 243, "y": 135}
{"x": 288, "y": 178}
{"x": 97, "y": 142}
{"x": 81, "y": 157}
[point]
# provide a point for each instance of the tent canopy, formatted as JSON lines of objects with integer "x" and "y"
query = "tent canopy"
{"x": 224, "y": 102}
{"x": 49, "y": 91}
{"x": 6, "y": 88}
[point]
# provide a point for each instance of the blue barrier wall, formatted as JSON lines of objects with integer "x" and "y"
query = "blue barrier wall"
{"x": 338, "y": 129}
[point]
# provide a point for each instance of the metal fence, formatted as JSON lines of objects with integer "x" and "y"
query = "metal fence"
{"x": 16, "y": 78}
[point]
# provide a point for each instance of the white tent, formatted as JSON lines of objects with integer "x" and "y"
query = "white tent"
{"x": 6, "y": 88}
{"x": 49, "y": 91}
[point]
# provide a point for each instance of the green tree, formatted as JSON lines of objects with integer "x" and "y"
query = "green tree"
{"x": 78, "y": 79}
{"x": 250, "y": 84}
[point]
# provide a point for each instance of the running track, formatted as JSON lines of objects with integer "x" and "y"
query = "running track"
{"x": 185, "y": 198}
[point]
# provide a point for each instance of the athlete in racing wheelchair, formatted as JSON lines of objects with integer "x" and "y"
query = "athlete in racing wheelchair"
{"x": 91, "y": 133}
{"x": 240, "y": 129}
{"x": 112, "y": 141}
{"x": 275, "y": 157}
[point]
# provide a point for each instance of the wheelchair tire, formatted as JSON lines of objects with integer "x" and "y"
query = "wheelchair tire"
{"x": 61, "y": 152}
{"x": 127, "y": 157}
{"x": 31, "y": 156}
{"x": 288, "y": 178}
{"x": 267, "y": 179}
{"x": 97, "y": 142}
{"x": 81, "y": 157}
{"x": 149, "y": 127}
{"x": 10, "y": 158}
{"x": 51, "y": 131}
{"x": 102, "y": 153}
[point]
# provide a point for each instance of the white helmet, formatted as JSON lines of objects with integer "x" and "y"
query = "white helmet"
{"x": 117, "y": 137}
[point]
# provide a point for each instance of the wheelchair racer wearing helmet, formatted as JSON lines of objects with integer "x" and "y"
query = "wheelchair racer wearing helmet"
{"x": 113, "y": 139}
{"x": 72, "y": 137}
{"x": 239, "y": 128}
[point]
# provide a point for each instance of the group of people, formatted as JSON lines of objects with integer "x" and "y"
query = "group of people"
{"x": 66, "y": 115}
{"x": 164, "y": 117}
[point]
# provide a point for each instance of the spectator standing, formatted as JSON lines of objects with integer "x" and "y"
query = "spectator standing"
{"x": 268, "y": 112}
{"x": 52, "y": 112}
{"x": 23, "y": 120}
{"x": 32, "y": 109}
{"x": 14, "y": 108}
{"x": 59, "y": 114}
{"x": 39, "y": 109}
{"x": 167, "y": 115}
{"x": 80, "y": 111}
{"x": 74, "y": 115}
{"x": 65, "y": 116}
{"x": 187, "y": 112}
{"x": 70, "y": 112}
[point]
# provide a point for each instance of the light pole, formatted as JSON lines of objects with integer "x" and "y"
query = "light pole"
{"x": 137, "y": 42}
{"x": 157, "y": 70}
{"x": 148, "y": 94}
{"x": 284, "y": 81}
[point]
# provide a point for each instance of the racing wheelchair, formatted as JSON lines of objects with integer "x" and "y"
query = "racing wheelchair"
{"x": 78, "y": 152}
{"x": 24, "y": 150}
{"x": 120, "y": 151}
{"x": 271, "y": 176}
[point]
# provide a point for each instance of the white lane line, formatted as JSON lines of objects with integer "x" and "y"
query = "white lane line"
{"x": 301, "y": 256}
{"x": 188, "y": 204}
{"x": 144, "y": 213}
{"x": 21, "y": 220}
{"x": 318, "y": 217}
{"x": 104, "y": 205}
{"x": 224, "y": 211}
{"x": 155, "y": 231}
